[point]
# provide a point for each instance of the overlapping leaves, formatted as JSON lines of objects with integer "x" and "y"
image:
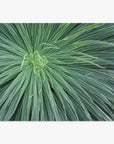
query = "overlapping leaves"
{"x": 56, "y": 72}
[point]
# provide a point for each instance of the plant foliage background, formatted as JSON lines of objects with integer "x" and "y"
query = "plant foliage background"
{"x": 56, "y": 72}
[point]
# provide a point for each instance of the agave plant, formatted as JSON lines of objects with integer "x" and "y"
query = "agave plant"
{"x": 56, "y": 72}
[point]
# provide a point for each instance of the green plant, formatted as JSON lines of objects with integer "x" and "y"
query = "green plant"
{"x": 57, "y": 72}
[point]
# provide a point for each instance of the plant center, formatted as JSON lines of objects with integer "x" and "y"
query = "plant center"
{"x": 34, "y": 61}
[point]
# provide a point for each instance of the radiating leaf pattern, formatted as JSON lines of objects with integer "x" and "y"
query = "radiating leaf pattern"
{"x": 56, "y": 72}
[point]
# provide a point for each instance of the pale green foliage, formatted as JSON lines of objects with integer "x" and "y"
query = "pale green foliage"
{"x": 56, "y": 72}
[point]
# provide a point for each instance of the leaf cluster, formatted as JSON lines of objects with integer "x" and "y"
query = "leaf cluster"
{"x": 56, "y": 72}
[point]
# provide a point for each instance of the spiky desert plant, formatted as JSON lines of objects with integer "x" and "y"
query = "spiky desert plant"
{"x": 57, "y": 72}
